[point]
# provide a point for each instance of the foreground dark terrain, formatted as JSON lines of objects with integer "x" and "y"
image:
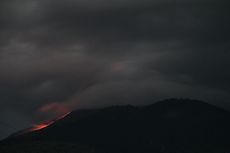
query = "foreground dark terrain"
{"x": 170, "y": 126}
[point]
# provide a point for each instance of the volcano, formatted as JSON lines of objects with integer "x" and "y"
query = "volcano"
{"x": 38, "y": 127}
{"x": 169, "y": 126}
{"x": 46, "y": 124}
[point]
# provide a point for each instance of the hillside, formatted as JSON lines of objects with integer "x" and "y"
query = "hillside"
{"x": 174, "y": 125}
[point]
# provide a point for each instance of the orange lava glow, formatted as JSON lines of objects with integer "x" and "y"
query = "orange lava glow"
{"x": 63, "y": 116}
{"x": 46, "y": 124}
{"x": 39, "y": 127}
{"x": 52, "y": 110}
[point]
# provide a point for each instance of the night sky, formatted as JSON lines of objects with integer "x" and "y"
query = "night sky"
{"x": 60, "y": 55}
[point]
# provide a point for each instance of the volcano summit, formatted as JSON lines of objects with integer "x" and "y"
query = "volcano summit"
{"x": 173, "y": 125}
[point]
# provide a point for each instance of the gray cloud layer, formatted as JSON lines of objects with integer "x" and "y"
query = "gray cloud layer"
{"x": 101, "y": 52}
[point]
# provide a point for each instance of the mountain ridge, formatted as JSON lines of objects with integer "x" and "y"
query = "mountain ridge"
{"x": 166, "y": 126}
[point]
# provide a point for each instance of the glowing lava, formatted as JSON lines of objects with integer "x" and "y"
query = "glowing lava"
{"x": 46, "y": 124}
{"x": 41, "y": 126}
{"x": 63, "y": 116}
{"x": 51, "y": 110}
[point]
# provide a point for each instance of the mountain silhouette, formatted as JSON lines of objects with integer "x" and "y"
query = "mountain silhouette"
{"x": 169, "y": 126}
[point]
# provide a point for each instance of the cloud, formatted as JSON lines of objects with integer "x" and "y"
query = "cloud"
{"x": 95, "y": 53}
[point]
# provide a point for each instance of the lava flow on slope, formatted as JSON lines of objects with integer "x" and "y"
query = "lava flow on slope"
{"x": 41, "y": 126}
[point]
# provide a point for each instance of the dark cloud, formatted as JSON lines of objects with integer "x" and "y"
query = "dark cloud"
{"x": 78, "y": 53}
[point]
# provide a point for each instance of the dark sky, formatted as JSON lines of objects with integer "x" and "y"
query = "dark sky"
{"x": 66, "y": 54}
